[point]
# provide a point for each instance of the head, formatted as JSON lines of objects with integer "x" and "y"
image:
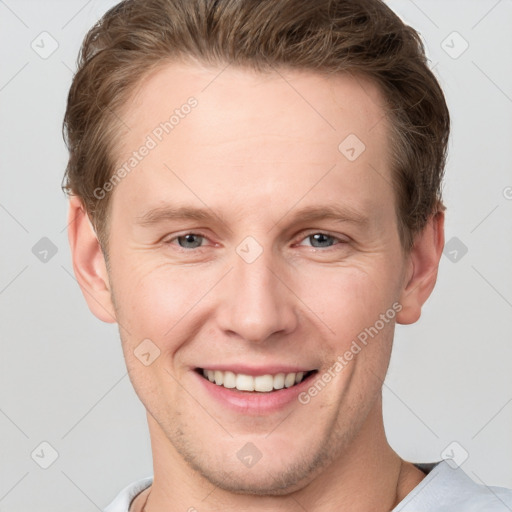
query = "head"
{"x": 263, "y": 185}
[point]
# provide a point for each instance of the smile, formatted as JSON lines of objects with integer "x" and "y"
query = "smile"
{"x": 260, "y": 383}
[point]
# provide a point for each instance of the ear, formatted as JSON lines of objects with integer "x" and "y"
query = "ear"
{"x": 423, "y": 263}
{"x": 89, "y": 263}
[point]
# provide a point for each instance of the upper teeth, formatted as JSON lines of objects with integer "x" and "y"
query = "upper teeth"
{"x": 262, "y": 383}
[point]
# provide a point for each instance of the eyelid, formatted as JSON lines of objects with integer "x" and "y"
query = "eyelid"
{"x": 340, "y": 238}
{"x": 169, "y": 240}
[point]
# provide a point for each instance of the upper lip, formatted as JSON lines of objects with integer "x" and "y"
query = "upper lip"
{"x": 271, "y": 369}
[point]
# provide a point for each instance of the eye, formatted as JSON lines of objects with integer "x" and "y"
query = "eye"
{"x": 320, "y": 240}
{"x": 188, "y": 241}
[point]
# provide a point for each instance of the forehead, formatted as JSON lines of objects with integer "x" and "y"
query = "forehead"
{"x": 339, "y": 102}
{"x": 246, "y": 127}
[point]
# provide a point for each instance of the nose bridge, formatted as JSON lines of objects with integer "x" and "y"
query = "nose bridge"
{"x": 256, "y": 303}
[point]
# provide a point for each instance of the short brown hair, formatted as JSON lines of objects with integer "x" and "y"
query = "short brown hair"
{"x": 362, "y": 37}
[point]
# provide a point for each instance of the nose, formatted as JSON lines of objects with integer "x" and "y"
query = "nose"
{"x": 257, "y": 302}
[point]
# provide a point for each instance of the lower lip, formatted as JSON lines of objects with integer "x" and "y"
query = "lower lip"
{"x": 254, "y": 402}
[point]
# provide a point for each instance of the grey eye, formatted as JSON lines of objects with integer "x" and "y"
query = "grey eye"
{"x": 190, "y": 241}
{"x": 321, "y": 240}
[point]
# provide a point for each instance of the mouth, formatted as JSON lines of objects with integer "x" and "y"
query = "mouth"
{"x": 267, "y": 383}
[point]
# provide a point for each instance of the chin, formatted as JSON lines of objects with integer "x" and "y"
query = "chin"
{"x": 267, "y": 477}
{"x": 262, "y": 482}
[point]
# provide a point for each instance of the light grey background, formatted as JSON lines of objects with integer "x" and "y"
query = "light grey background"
{"x": 63, "y": 379}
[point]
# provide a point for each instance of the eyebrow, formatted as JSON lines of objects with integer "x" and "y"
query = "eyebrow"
{"x": 167, "y": 213}
{"x": 337, "y": 213}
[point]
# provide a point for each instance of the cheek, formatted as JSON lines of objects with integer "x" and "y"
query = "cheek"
{"x": 153, "y": 307}
{"x": 348, "y": 300}
{"x": 152, "y": 301}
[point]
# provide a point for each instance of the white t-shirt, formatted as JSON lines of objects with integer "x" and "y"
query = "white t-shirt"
{"x": 444, "y": 489}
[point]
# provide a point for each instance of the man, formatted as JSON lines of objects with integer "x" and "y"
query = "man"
{"x": 255, "y": 200}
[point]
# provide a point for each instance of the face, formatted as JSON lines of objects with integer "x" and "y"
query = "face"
{"x": 253, "y": 243}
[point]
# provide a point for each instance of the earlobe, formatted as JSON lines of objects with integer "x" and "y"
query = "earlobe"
{"x": 89, "y": 263}
{"x": 423, "y": 264}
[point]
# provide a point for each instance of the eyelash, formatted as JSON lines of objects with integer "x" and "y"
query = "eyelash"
{"x": 340, "y": 241}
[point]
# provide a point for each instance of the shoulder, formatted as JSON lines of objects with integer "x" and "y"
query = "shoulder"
{"x": 447, "y": 488}
{"x": 444, "y": 489}
{"x": 122, "y": 501}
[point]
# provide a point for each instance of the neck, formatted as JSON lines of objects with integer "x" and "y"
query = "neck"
{"x": 367, "y": 477}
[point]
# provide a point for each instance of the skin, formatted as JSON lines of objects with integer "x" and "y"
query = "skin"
{"x": 256, "y": 152}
